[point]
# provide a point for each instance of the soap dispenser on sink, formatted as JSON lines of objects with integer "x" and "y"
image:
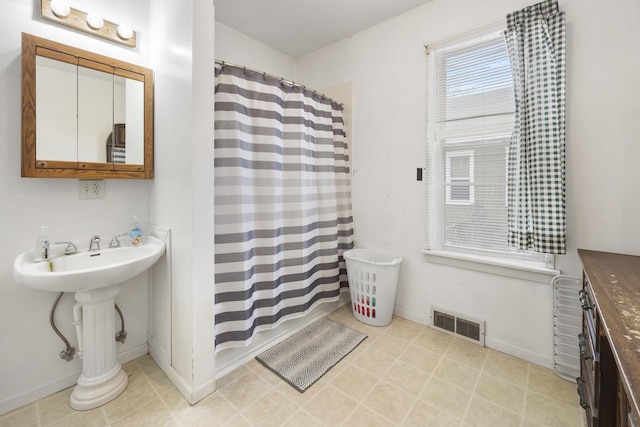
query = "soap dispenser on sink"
{"x": 42, "y": 245}
{"x": 135, "y": 232}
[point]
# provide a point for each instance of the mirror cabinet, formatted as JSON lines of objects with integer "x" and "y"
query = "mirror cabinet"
{"x": 84, "y": 115}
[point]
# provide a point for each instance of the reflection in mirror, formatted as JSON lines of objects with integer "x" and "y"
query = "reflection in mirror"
{"x": 57, "y": 109}
{"x": 95, "y": 113}
{"x": 128, "y": 144}
{"x": 117, "y": 140}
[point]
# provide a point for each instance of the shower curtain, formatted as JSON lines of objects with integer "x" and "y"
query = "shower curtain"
{"x": 282, "y": 203}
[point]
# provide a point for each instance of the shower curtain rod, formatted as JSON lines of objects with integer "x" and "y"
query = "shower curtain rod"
{"x": 282, "y": 79}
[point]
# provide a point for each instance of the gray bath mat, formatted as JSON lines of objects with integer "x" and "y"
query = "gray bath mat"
{"x": 307, "y": 355}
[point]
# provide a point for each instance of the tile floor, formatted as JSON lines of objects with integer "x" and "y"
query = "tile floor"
{"x": 404, "y": 374}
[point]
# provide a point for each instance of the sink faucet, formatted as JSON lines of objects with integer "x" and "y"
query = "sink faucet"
{"x": 94, "y": 243}
{"x": 115, "y": 243}
{"x": 70, "y": 249}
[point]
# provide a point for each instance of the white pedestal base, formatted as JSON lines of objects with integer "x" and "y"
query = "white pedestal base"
{"x": 102, "y": 378}
{"x": 91, "y": 395}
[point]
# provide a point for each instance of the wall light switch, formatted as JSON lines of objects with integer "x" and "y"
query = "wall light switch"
{"x": 91, "y": 189}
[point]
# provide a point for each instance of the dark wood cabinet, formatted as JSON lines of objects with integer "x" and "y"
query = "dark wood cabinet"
{"x": 609, "y": 385}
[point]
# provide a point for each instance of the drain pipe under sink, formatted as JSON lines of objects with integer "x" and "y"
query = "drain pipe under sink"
{"x": 77, "y": 320}
{"x": 66, "y": 354}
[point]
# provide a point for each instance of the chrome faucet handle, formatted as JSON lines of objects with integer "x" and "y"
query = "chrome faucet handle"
{"x": 115, "y": 243}
{"x": 70, "y": 249}
{"x": 94, "y": 243}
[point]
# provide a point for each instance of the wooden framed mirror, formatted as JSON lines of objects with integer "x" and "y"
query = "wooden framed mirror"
{"x": 84, "y": 115}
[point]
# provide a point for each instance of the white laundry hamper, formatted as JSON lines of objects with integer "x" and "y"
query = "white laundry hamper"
{"x": 373, "y": 278}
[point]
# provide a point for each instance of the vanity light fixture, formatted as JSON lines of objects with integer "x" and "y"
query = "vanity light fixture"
{"x": 59, "y": 11}
{"x": 60, "y": 8}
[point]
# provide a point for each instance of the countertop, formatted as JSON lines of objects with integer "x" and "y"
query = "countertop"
{"x": 615, "y": 280}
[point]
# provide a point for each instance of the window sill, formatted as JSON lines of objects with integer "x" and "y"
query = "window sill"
{"x": 492, "y": 265}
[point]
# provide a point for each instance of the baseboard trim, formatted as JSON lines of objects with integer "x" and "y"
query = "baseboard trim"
{"x": 510, "y": 349}
{"x": 519, "y": 352}
{"x": 405, "y": 314}
{"x": 203, "y": 391}
{"x": 133, "y": 353}
{"x": 19, "y": 400}
{"x": 191, "y": 394}
{"x": 183, "y": 387}
{"x": 159, "y": 355}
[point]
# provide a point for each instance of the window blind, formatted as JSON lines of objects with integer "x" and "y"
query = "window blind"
{"x": 470, "y": 119}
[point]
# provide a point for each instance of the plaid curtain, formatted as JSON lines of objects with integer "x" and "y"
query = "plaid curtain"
{"x": 535, "y": 38}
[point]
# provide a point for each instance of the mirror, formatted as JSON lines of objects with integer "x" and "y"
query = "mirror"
{"x": 84, "y": 115}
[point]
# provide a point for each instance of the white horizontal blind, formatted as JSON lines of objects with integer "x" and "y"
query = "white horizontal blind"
{"x": 469, "y": 126}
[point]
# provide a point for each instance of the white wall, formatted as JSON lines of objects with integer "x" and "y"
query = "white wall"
{"x": 386, "y": 66}
{"x": 182, "y": 196}
{"x": 237, "y": 48}
{"x": 31, "y": 367}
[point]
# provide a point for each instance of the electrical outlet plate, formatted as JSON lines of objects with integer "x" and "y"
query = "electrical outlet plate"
{"x": 91, "y": 189}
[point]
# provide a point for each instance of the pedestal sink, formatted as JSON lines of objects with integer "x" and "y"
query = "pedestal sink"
{"x": 95, "y": 278}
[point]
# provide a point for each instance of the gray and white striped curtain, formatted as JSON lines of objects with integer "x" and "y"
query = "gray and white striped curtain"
{"x": 535, "y": 38}
{"x": 282, "y": 203}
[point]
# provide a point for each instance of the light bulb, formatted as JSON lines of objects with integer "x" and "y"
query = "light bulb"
{"x": 125, "y": 32}
{"x": 60, "y": 8}
{"x": 95, "y": 21}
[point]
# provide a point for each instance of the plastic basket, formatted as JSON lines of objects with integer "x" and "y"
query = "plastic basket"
{"x": 373, "y": 278}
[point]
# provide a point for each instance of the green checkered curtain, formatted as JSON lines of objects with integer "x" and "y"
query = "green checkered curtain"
{"x": 535, "y": 38}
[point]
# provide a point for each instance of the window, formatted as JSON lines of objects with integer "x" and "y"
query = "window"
{"x": 459, "y": 178}
{"x": 470, "y": 119}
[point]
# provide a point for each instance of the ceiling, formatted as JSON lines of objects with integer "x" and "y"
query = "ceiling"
{"x": 298, "y": 27}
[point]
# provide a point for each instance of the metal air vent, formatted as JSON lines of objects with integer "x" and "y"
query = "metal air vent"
{"x": 462, "y": 326}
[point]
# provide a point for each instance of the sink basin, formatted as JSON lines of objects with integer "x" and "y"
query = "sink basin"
{"x": 87, "y": 270}
{"x": 94, "y": 277}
